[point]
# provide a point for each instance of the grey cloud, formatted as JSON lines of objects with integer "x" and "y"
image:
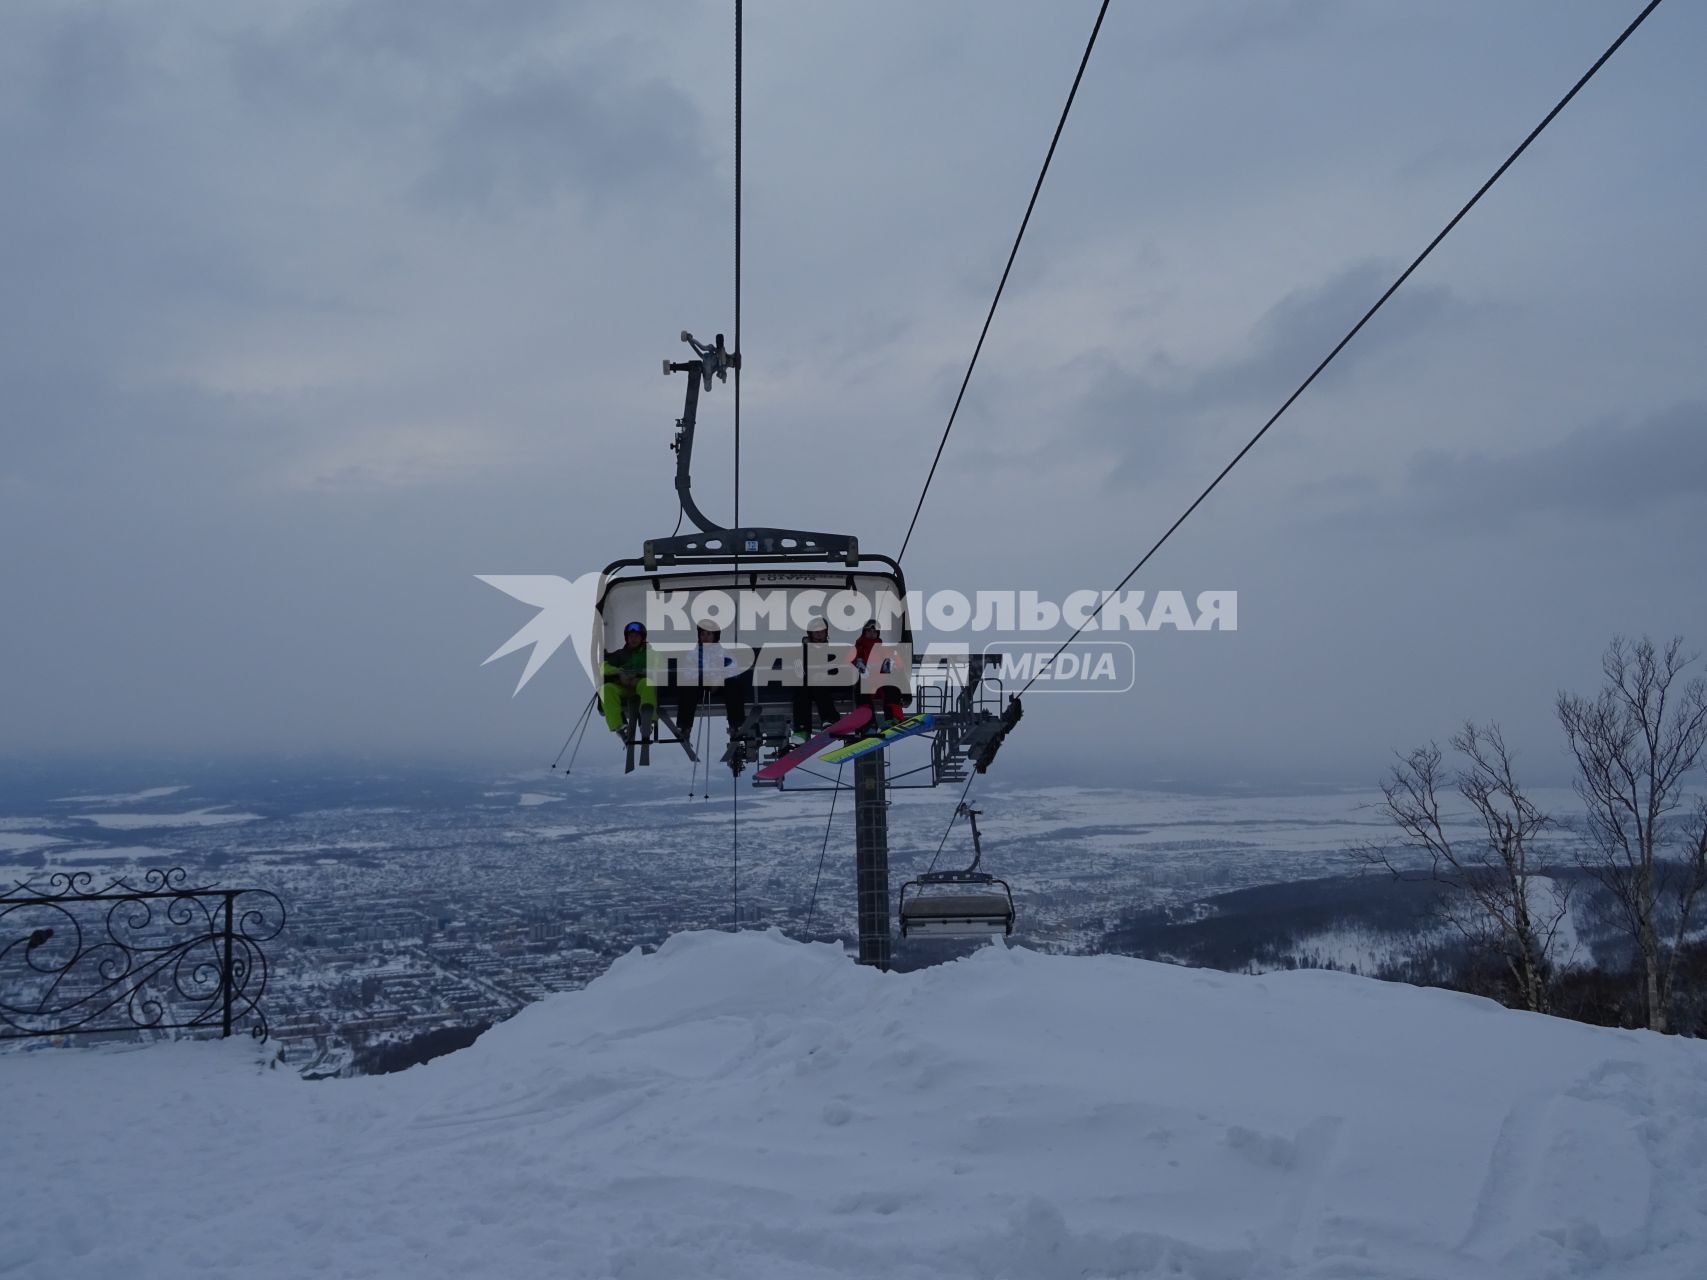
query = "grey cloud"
{"x": 1146, "y": 414}
{"x": 490, "y": 104}
{"x": 345, "y": 47}
{"x": 421, "y": 29}
{"x": 590, "y": 130}
{"x": 1225, "y": 29}
{"x": 1300, "y": 329}
{"x": 309, "y": 312}
{"x": 86, "y": 66}
{"x": 1605, "y": 471}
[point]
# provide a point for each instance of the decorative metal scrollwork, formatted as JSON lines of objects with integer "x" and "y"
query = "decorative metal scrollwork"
{"x": 160, "y": 955}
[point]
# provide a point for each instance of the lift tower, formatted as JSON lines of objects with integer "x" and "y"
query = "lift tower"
{"x": 871, "y": 857}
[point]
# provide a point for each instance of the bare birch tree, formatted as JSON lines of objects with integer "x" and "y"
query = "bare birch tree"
{"x": 1636, "y": 744}
{"x": 1498, "y": 893}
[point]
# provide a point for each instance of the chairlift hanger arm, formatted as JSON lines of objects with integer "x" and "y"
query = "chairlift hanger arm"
{"x": 971, "y": 815}
{"x": 714, "y": 362}
{"x": 723, "y": 544}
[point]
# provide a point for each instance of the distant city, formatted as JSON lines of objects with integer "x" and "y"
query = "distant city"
{"x": 419, "y": 905}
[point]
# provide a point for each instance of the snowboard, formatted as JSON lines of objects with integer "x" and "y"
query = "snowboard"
{"x": 853, "y": 722}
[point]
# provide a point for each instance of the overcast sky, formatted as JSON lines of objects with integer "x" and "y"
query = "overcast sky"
{"x": 310, "y": 312}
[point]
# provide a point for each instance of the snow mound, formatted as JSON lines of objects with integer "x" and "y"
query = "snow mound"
{"x": 746, "y": 1106}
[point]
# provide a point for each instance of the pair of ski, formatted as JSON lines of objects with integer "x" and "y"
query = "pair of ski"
{"x": 849, "y": 724}
{"x": 640, "y": 726}
{"x": 882, "y": 738}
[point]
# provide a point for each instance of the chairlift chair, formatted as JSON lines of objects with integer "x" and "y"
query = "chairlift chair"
{"x": 734, "y": 564}
{"x": 958, "y": 904}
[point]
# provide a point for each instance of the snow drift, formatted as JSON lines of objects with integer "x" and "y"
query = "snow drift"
{"x": 746, "y": 1106}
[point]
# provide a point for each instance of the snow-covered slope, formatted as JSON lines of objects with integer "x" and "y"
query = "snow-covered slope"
{"x": 746, "y": 1106}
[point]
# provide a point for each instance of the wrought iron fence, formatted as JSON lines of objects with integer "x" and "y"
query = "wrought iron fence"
{"x": 162, "y": 955}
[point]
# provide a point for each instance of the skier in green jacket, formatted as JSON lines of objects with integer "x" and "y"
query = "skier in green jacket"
{"x": 625, "y": 681}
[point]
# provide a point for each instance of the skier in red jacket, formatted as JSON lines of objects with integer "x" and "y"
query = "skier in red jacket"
{"x": 887, "y": 695}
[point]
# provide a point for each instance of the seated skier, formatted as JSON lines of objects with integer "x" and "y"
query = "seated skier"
{"x": 810, "y": 696}
{"x": 887, "y": 695}
{"x": 625, "y": 682}
{"x": 713, "y": 671}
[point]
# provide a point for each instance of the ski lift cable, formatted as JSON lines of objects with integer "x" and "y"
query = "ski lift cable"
{"x": 1353, "y": 332}
{"x": 813, "y": 905}
{"x": 737, "y": 270}
{"x": 1001, "y": 285}
{"x": 734, "y": 787}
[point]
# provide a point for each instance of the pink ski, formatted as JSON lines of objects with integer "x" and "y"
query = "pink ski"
{"x": 853, "y": 722}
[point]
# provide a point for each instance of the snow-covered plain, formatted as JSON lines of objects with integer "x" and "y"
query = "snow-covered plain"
{"x": 746, "y": 1106}
{"x": 27, "y": 841}
{"x": 211, "y": 817}
{"x": 125, "y": 797}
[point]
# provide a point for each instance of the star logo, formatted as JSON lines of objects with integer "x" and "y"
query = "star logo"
{"x": 566, "y": 612}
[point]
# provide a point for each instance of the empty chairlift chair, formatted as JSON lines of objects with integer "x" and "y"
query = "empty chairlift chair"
{"x": 958, "y": 904}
